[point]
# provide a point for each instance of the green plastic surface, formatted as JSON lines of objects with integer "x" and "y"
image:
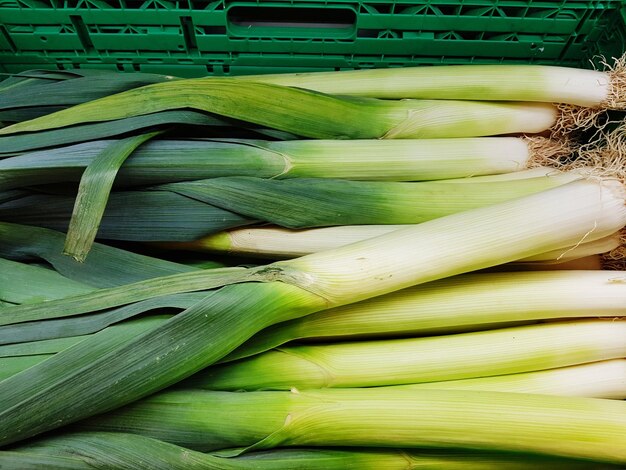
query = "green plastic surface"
{"x": 202, "y": 37}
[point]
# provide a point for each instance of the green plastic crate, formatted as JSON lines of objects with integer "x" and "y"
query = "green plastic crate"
{"x": 201, "y": 37}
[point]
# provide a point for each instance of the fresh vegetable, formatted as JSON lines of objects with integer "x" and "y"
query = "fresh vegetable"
{"x": 188, "y": 210}
{"x": 225, "y": 318}
{"x": 308, "y": 114}
{"x": 586, "y": 428}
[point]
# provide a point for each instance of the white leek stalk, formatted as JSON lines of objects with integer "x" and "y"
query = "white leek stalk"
{"x": 582, "y": 250}
{"x": 604, "y": 379}
{"x": 416, "y": 360}
{"x": 549, "y": 84}
{"x": 460, "y": 303}
{"x": 283, "y": 243}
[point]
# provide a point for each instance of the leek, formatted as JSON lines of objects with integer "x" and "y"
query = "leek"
{"x": 102, "y": 343}
{"x": 582, "y": 250}
{"x": 129, "y": 451}
{"x": 470, "y": 301}
{"x": 605, "y": 379}
{"x": 30, "y": 335}
{"x": 308, "y": 114}
{"x": 462, "y": 303}
{"x": 35, "y": 93}
{"x": 415, "y": 360}
{"x": 282, "y": 243}
{"x": 106, "y": 267}
{"x": 586, "y": 428}
{"x": 188, "y": 210}
{"x": 9, "y": 366}
{"x": 79, "y": 387}
{"x": 167, "y": 161}
{"x": 13, "y": 144}
{"x": 93, "y": 192}
{"x": 540, "y": 83}
{"x": 46, "y": 346}
{"x": 22, "y": 283}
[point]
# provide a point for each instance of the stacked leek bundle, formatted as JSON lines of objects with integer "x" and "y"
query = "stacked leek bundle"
{"x": 398, "y": 307}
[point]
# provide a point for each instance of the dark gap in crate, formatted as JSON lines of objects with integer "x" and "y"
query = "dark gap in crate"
{"x": 381, "y": 8}
{"x": 210, "y": 30}
{"x": 567, "y": 14}
{"x": 281, "y": 17}
{"x": 513, "y": 12}
{"x": 367, "y": 33}
{"x": 186, "y": 23}
{"x": 445, "y": 10}
{"x": 82, "y": 32}
{"x": 7, "y": 38}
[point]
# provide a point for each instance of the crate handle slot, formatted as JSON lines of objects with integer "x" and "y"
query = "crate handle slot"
{"x": 82, "y": 32}
{"x": 261, "y": 21}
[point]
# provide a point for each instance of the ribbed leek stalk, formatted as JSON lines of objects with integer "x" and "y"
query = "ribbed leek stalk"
{"x": 279, "y": 242}
{"x": 605, "y": 379}
{"x": 588, "y": 428}
{"x": 40, "y": 399}
{"x": 166, "y": 161}
{"x": 187, "y": 210}
{"x": 471, "y": 301}
{"x": 308, "y": 114}
{"x": 415, "y": 360}
{"x": 582, "y": 250}
{"x": 124, "y": 451}
{"x": 283, "y": 243}
{"x": 580, "y": 87}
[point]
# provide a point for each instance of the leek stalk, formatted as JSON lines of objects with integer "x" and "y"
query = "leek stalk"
{"x": 470, "y": 301}
{"x": 586, "y": 428}
{"x": 282, "y": 243}
{"x": 604, "y": 379}
{"x": 415, "y": 360}
{"x": 128, "y": 452}
{"x": 541, "y": 83}
{"x": 225, "y": 318}
{"x": 188, "y": 210}
{"x": 167, "y": 161}
{"x": 308, "y": 114}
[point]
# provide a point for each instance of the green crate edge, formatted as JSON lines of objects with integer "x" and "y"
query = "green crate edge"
{"x": 49, "y": 36}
